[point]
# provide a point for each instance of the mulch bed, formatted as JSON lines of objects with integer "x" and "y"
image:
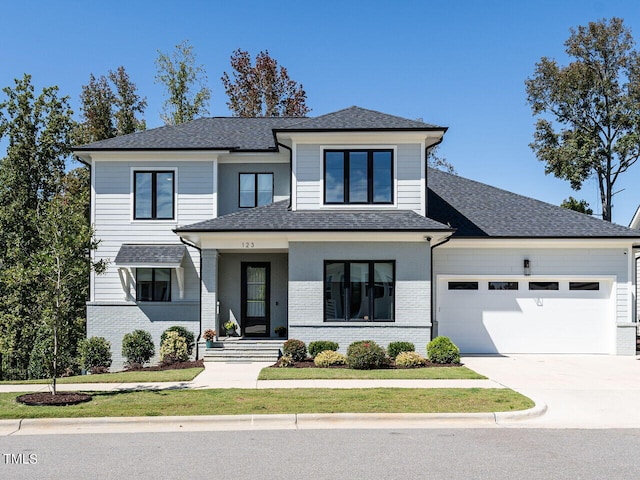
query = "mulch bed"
{"x": 308, "y": 363}
{"x": 172, "y": 366}
{"x": 60, "y": 399}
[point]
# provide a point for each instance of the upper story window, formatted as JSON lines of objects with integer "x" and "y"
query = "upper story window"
{"x": 358, "y": 176}
{"x": 256, "y": 189}
{"x": 153, "y": 194}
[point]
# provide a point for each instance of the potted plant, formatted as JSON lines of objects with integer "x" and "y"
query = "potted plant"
{"x": 230, "y": 327}
{"x": 209, "y": 336}
{"x": 281, "y": 331}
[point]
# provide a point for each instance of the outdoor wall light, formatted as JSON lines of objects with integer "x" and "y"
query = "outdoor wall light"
{"x": 527, "y": 267}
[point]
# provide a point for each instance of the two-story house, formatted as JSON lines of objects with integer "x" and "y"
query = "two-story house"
{"x": 335, "y": 228}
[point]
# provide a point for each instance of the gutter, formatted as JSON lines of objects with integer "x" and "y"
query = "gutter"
{"x": 433, "y": 288}
{"x": 193, "y": 245}
{"x": 290, "y": 170}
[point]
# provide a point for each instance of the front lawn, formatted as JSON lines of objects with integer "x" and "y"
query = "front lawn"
{"x": 136, "y": 376}
{"x": 432, "y": 373}
{"x": 271, "y": 401}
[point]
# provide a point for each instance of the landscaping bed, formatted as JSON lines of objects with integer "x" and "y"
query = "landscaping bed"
{"x": 61, "y": 399}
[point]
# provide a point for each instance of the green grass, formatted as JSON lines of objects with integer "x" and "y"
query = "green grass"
{"x": 432, "y": 373}
{"x": 177, "y": 375}
{"x": 270, "y": 401}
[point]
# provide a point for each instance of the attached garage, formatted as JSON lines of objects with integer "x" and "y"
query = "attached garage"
{"x": 527, "y": 314}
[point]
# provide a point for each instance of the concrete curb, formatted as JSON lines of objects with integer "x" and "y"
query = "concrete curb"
{"x": 306, "y": 421}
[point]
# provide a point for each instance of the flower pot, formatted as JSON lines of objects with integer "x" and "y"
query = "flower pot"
{"x": 209, "y": 343}
{"x": 230, "y": 332}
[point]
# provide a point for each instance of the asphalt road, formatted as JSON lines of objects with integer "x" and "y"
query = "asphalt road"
{"x": 328, "y": 454}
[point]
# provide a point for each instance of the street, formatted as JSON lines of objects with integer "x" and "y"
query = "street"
{"x": 498, "y": 453}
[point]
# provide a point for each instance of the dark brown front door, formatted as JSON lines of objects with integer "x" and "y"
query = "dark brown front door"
{"x": 255, "y": 299}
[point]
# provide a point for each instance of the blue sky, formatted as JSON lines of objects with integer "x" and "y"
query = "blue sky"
{"x": 461, "y": 64}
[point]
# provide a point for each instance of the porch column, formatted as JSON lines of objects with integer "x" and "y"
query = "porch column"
{"x": 209, "y": 296}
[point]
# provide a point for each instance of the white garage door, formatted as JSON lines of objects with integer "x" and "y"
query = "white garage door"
{"x": 528, "y": 315}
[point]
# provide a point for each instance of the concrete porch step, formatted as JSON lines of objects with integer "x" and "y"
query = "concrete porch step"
{"x": 240, "y": 350}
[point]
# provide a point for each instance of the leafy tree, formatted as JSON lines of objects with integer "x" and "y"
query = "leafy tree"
{"x": 127, "y": 103}
{"x": 62, "y": 269}
{"x": 109, "y": 107}
{"x": 577, "y": 205}
{"x": 187, "y": 93}
{"x": 590, "y": 125}
{"x": 38, "y": 132}
{"x": 97, "y": 100}
{"x": 263, "y": 89}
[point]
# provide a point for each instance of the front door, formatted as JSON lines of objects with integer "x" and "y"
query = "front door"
{"x": 255, "y": 299}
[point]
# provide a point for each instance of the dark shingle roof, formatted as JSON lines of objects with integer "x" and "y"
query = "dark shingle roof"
{"x": 278, "y": 217}
{"x": 150, "y": 254}
{"x": 357, "y": 118}
{"x": 250, "y": 134}
{"x": 218, "y": 133}
{"x": 475, "y": 209}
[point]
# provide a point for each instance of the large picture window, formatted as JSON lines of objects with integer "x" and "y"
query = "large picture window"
{"x": 256, "y": 189}
{"x": 358, "y": 176}
{"x": 153, "y": 195}
{"x": 153, "y": 284}
{"x": 359, "y": 291}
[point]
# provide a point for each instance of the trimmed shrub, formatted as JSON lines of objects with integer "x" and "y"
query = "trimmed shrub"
{"x": 95, "y": 354}
{"x": 320, "y": 346}
{"x": 296, "y": 349}
{"x": 410, "y": 360}
{"x": 285, "y": 361}
{"x": 188, "y": 336}
{"x": 395, "y": 348}
{"x": 137, "y": 347}
{"x": 329, "y": 358}
{"x": 366, "y": 355}
{"x": 173, "y": 348}
{"x": 443, "y": 350}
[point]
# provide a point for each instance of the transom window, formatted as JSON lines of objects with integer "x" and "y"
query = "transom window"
{"x": 153, "y": 195}
{"x": 256, "y": 189}
{"x": 153, "y": 284}
{"x": 543, "y": 285}
{"x": 358, "y": 176}
{"x": 463, "y": 285}
{"x": 359, "y": 291}
{"x": 503, "y": 285}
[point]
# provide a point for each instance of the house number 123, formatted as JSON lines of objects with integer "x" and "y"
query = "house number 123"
{"x": 248, "y": 245}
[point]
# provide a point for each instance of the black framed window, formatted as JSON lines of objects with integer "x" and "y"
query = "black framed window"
{"x": 153, "y": 194}
{"x": 463, "y": 286}
{"x": 153, "y": 284}
{"x": 256, "y": 189}
{"x": 584, "y": 285}
{"x": 503, "y": 285}
{"x": 544, "y": 285}
{"x": 358, "y": 176}
{"x": 359, "y": 291}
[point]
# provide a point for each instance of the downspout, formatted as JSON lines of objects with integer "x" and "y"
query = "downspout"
{"x": 290, "y": 170}
{"x": 433, "y": 288}
{"x": 189, "y": 244}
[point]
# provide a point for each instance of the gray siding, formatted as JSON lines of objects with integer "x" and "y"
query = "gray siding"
{"x": 228, "y": 174}
{"x": 114, "y": 320}
{"x": 412, "y": 297}
{"x": 114, "y": 224}
{"x": 409, "y": 191}
{"x": 229, "y": 275}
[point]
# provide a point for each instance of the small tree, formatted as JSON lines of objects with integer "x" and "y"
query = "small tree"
{"x": 187, "y": 93}
{"x": 263, "y": 89}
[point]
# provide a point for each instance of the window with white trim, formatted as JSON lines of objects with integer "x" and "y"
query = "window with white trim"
{"x": 153, "y": 195}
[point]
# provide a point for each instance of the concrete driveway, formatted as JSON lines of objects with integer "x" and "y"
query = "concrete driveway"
{"x": 581, "y": 391}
